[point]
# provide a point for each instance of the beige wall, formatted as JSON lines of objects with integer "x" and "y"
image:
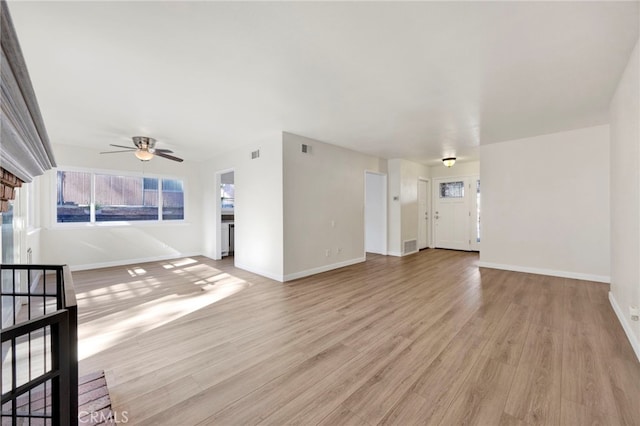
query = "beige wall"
{"x": 403, "y": 211}
{"x": 323, "y": 205}
{"x": 625, "y": 198}
{"x": 469, "y": 168}
{"x": 545, "y": 204}
{"x": 394, "y": 207}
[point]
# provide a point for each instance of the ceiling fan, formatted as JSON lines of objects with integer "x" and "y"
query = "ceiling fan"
{"x": 145, "y": 149}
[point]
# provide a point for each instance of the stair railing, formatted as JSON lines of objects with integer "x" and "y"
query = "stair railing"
{"x": 39, "y": 345}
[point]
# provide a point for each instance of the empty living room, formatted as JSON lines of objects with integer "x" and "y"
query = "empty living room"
{"x": 320, "y": 213}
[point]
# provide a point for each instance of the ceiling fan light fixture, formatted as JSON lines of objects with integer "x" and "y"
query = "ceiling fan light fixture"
{"x": 449, "y": 161}
{"x": 143, "y": 155}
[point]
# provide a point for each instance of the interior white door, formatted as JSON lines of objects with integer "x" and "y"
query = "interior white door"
{"x": 423, "y": 214}
{"x": 451, "y": 213}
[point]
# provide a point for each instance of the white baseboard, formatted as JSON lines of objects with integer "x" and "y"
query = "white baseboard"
{"x": 551, "y": 272}
{"x": 625, "y": 325}
{"x": 125, "y": 262}
{"x": 324, "y": 268}
{"x": 256, "y": 271}
{"x": 394, "y": 253}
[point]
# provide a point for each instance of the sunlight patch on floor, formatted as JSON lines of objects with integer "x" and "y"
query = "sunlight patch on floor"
{"x": 136, "y": 271}
{"x": 110, "y": 330}
{"x": 179, "y": 263}
{"x": 120, "y": 291}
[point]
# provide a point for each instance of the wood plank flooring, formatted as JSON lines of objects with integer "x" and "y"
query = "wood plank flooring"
{"x": 425, "y": 339}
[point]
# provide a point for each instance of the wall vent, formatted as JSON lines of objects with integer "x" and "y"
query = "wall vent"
{"x": 409, "y": 246}
{"x": 255, "y": 154}
{"x": 306, "y": 149}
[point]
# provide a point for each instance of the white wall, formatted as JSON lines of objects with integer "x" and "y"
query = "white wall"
{"x": 403, "y": 213}
{"x": 394, "y": 207}
{"x": 625, "y": 198}
{"x": 258, "y": 207}
{"x": 469, "y": 168}
{"x": 323, "y": 205}
{"x": 87, "y": 246}
{"x": 33, "y": 201}
{"x": 545, "y": 204}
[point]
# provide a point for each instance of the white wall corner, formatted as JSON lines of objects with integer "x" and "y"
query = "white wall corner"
{"x": 324, "y": 268}
{"x": 625, "y": 325}
{"x": 270, "y": 275}
{"x": 550, "y": 272}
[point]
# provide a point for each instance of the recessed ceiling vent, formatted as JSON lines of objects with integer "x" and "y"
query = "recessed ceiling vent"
{"x": 255, "y": 154}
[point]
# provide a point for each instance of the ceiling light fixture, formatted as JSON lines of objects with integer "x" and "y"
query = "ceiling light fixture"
{"x": 143, "y": 155}
{"x": 449, "y": 161}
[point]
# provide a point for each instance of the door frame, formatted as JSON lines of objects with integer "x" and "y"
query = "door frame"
{"x": 218, "y": 212}
{"x": 430, "y": 243}
{"x": 385, "y": 216}
{"x": 473, "y": 237}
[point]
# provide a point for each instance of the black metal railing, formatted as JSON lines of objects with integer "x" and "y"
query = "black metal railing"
{"x": 39, "y": 346}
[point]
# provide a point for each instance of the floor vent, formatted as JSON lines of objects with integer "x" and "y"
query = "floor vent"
{"x": 410, "y": 246}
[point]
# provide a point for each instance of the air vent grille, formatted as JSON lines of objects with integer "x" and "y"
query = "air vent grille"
{"x": 410, "y": 246}
{"x": 255, "y": 154}
{"x": 306, "y": 149}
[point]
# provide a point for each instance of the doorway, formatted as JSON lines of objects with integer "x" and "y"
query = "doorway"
{"x": 225, "y": 214}
{"x": 424, "y": 207}
{"x": 375, "y": 213}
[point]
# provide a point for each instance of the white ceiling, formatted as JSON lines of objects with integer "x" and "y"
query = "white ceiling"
{"x": 416, "y": 80}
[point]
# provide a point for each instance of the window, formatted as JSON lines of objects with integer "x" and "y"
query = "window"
{"x": 172, "y": 199}
{"x": 74, "y": 197}
{"x": 452, "y": 189}
{"x": 125, "y": 198}
{"x": 98, "y": 197}
{"x": 227, "y": 196}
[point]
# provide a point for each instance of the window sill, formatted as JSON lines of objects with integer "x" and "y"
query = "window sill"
{"x": 119, "y": 224}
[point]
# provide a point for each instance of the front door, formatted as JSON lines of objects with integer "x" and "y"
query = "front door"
{"x": 451, "y": 213}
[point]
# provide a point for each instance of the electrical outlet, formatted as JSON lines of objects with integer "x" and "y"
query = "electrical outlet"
{"x": 339, "y": 250}
{"x": 327, "y": 252}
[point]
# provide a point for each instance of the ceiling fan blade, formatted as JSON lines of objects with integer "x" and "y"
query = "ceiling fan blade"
{"x": 114, "y": 152}
{"x": 169, "y": 157}
{"x": 165, "y": 151}
{"x": 122, "y": 146}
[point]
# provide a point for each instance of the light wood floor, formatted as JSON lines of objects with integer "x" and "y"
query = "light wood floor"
{"x": 428, "y": 338}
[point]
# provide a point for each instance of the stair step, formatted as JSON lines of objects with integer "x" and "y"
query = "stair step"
{"x": 94, "y": 403}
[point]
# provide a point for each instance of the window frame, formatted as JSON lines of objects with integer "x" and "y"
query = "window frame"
{"x": 455, "y": 197}
{"x": 92, "y": 205}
